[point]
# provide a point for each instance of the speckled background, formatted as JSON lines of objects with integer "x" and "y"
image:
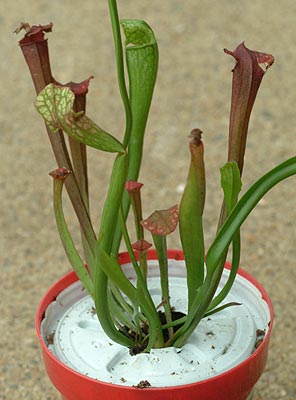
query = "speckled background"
{"x": 193, "y": 90}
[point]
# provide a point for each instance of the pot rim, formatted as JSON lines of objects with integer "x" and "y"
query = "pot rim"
{"x": 123, "y": 258}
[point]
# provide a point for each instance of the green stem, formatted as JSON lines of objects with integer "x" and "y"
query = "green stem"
{"x": 67, "y": 241}
{"x": 161, "y": 248}
{"x": 234, "y": 268}
{"x": 231, "y": 184}
{"x": 63, "y": 160}
{"x": 218, "y": 309}
{"x": 128, "y": 309}
{"x": 143, "y": 263}
{"x": 79, "y": 160}
{"x": 191, "y": 217}
{"x": 145, "y": 300}
{"x": 135, "y": 199}
{"x": 120, "y": 317}
{"x": 103, "y": 309}
{"x": 120, "y": 69}
{"x": 108, "y": 221}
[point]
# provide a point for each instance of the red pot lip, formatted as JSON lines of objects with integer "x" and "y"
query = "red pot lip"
{"x": 71, "y": 277}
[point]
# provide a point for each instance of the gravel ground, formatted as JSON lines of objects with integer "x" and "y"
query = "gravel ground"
{"x": 193, "y": 90}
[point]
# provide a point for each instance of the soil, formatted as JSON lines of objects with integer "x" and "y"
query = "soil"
{"x": 139, "y": 347}
{"x": 260, "y": 334}
{"x": 143, "y": 385}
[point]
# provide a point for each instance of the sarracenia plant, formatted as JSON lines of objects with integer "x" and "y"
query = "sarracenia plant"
{"x": 125, "y": 308}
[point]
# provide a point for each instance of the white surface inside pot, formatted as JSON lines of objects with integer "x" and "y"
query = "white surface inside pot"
{"x": 219, "y": 343}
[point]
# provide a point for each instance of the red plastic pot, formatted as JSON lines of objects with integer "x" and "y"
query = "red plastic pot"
{"x": 234, "y": 384}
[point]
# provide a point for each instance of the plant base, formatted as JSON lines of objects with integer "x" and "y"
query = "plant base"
{"x": 235, "y": 383}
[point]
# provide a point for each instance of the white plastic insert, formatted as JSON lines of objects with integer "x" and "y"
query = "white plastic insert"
{"x": 219, "y": 343}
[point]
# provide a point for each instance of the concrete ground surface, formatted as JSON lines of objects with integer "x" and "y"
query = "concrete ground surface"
{"x": 193, "y": 90}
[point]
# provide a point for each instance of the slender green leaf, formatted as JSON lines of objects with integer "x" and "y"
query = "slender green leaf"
{"x": 234, "y": 268}
{"x": 119, "y": 315}
{"x": 190, "y": 219}
{"x": 218, "y": 309}
{"x": 142, "y": 63}
{"x": 245, "y": 205}
{"x": 108, "y": 221}
{"x": 224, "y": 237}
{"x": 144, "y": 300}
{"x": 114, "y": 272}
{"x": 120, "y": 70}
{"x": 231, "y": 184}
{"x": 70, "y": 249}
{"x": 118, "y": 297}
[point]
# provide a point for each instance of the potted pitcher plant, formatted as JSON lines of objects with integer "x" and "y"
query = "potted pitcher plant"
{"x": 149, "y": 323}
